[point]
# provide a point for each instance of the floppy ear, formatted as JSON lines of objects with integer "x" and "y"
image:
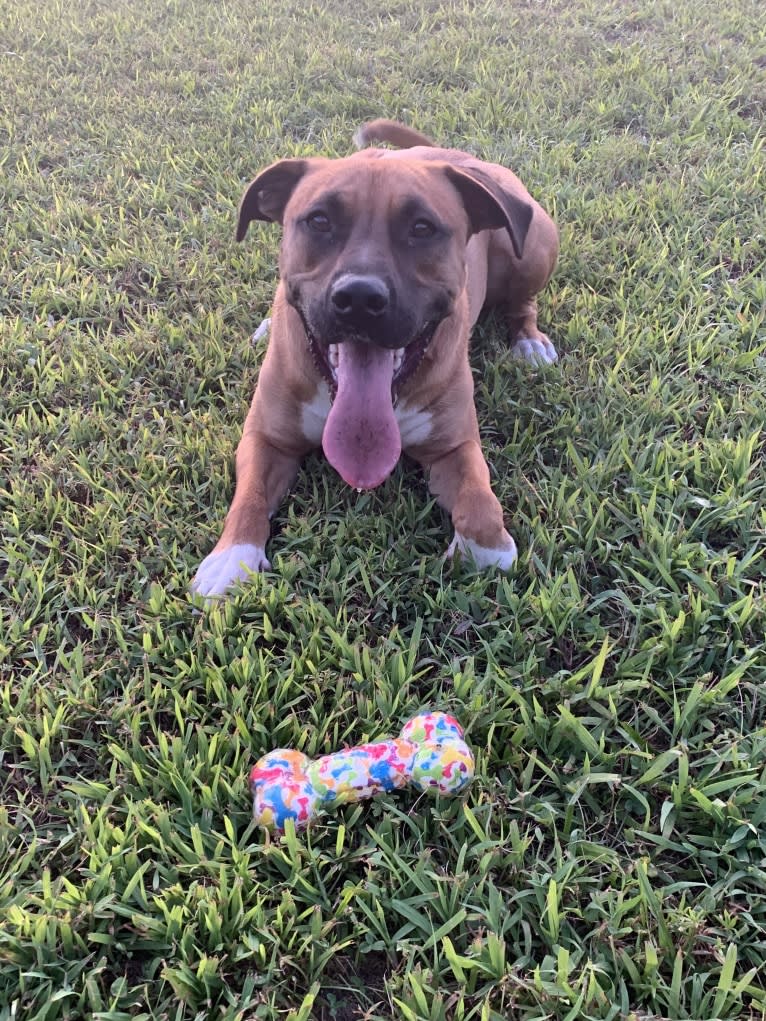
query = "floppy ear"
{"x": 265, "y": 198}
{"x": 489, "y": 206}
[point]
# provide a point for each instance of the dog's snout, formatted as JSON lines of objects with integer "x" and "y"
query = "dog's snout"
{"x": 358, "y": 299}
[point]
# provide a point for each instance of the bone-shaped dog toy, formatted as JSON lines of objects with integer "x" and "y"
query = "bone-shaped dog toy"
{"x": 430, "y": 754}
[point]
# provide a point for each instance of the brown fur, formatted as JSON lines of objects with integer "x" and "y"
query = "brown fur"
{"x": 500, "y": 249}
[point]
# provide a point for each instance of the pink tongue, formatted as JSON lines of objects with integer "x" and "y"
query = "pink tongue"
{"x": 361, "y": 437}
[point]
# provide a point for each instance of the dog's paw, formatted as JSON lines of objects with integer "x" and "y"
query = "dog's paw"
{"x": 537, "y": 350}
{"x": 502, "y": 556}
{"x": 262, "y": 331}
{"x": 219, "y": 571}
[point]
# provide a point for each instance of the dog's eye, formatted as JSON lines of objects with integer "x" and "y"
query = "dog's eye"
{"x": 319, "y": 222}
{"x": 422, "y": 229}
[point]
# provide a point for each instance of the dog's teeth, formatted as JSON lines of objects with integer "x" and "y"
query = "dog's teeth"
{"x": 398, "y": 356}
{"x": 332, "y": 355}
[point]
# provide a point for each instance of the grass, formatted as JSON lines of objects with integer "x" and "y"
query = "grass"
{"x": 609, "y": 861}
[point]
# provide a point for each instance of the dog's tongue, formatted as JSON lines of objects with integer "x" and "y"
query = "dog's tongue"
{"x": 361, "y": 437}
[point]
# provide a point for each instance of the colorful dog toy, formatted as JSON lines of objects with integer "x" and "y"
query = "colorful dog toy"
{"x": 430, "y": 754}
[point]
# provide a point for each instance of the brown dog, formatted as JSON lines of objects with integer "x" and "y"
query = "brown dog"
{"x": 387, "y": 259}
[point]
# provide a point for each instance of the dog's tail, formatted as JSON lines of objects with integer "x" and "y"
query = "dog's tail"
{"x": 389, "y": 131}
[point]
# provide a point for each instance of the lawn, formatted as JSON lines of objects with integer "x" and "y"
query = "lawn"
{"x": 609, "y": 861}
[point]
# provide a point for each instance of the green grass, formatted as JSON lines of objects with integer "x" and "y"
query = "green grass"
{"x": 609, "y": 861}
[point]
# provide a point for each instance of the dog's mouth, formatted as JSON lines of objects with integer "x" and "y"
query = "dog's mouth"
{"x": 406, "y": 360}
{"x": 361, "y": 437}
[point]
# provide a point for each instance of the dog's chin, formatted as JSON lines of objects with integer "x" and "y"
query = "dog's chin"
{"x": 407, "y": 359}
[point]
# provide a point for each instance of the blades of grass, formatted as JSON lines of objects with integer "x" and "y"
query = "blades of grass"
{"x": 653, "y": 905}
{"x": 724, "y": 988}
{"x": 659, "y": 766}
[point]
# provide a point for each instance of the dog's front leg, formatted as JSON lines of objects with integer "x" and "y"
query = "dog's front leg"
{"x": 460, "y": 482}
{"x": 264, "y": 474}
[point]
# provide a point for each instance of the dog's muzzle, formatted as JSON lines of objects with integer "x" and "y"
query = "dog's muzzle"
{"x": 362, "y": 306}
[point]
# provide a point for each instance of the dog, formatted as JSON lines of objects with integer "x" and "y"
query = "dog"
{"x": 388, "y": 256}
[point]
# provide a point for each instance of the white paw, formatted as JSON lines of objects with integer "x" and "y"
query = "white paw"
{"x": 262, "y": 331}
{"x": 485, "y": 556}
{"x": 219, "y": 571}
{"x": 537, "y": 350}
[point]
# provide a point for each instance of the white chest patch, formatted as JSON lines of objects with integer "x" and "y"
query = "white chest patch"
{"x": 414, "y": 425}
{"x": 314, "y": 414}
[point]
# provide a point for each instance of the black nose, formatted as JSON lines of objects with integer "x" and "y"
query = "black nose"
{"x": 359, "y": 299}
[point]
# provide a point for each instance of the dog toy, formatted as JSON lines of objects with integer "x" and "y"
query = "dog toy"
{"x": 430, "y": 754}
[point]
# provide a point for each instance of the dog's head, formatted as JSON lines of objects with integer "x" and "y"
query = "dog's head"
{"x": 374, "y": 249}
{"x": 373, "y": 260}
